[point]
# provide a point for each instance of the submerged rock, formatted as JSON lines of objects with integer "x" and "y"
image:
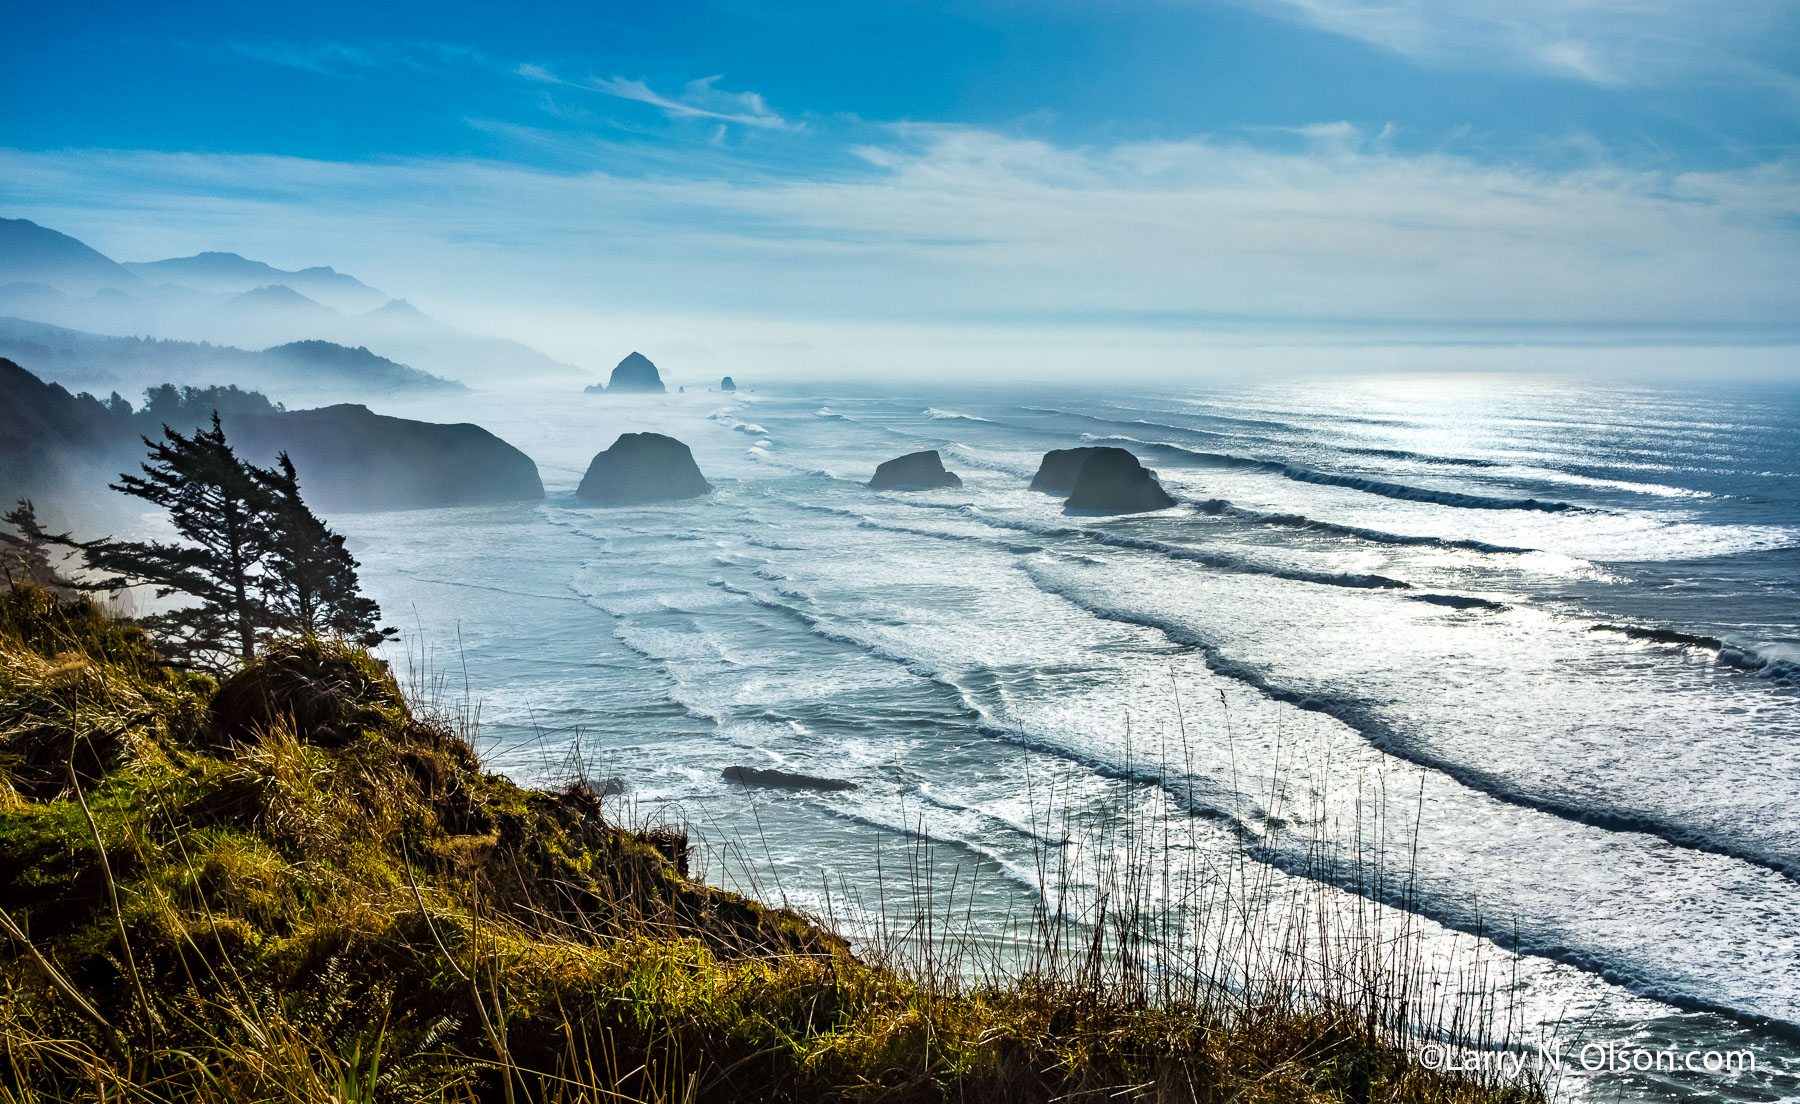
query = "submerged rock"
{"x": 916, "y": 471}
{"x": 1057, "y": 473}
{"x": 635, "y": 375}
{"x": 782, "y": 780}
{"x": 1112, "y": 481}
{"x": 641, "y": 468}
{"x": 727, "y": 385}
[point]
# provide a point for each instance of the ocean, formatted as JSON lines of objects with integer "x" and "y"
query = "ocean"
{"x": 1523, "y": 653}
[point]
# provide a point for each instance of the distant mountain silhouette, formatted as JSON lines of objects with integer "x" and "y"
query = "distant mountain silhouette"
{"x": 50, "y": 277}
{"x": 278, "y": 301}
{"x": 301, "y": 368}
{"x": 229, "y": 273}
{"x": 30, "y": 253}
{"x": 399, "y": 310}
{"x": 357, "y": 366}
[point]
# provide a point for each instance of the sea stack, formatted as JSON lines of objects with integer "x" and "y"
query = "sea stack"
{"x": 1112, "y": 481}
{"x": 1059, "y": 469}
{"x": 727, "y": 385}
{"x": 642, "y": 468}
{"x": 916, "y": 471}
{"x": 634, "y": 375}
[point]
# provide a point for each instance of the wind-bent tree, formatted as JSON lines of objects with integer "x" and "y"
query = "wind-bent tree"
{"x": 221, "y": 509}
{"x": 25, "y": 556}
{"x": 309, "y": 581}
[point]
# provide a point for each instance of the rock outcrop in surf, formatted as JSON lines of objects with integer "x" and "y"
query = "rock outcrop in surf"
{"x": 726, "y": 384}
{"x": 916, "y": 471}
{"x": 1111, "y": 481}
{"x": 1059, "y": 469}
{"x": 641, "y": 468}
{"x": 635, "y": 375}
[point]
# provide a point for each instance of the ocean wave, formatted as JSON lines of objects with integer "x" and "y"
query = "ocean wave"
{"x": 937, "y": 415}
{"x": 1384, "y": 737}
{"x": 1174, "y": 552}
{"x": 1240, "y": 813}
{"x": 1199, "y": 797}
{"x": 1417, "y": 457}
{"x": 1362, "y": 483}
{"x": 1461, "y": 602}
{"x": 1782, "y": 672}
{"x": 1221, "y": 560}
{"x": 1145, "y": 423}
{"x": 1301, "y": 521}
{"x": 774, "y": 546}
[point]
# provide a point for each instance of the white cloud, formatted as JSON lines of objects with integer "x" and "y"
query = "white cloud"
{"x": 1605, "y": 42}
{"x": 962, "y": 226}
{"x": 699, "y": 99}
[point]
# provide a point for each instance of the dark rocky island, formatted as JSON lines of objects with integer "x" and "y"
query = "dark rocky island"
{"x": 916, "y": 471}
{"x": 635, "y": 375}
{"x": 1059, "y": 469}
{"x": 641, "y": 468}
{"x": 726, "y": 384}
{"x": 1112, "y": 481}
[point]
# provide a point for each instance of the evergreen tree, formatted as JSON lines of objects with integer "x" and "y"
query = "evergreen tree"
{"x": 310, "y": 582}
{"x": 222, "y": 509}
{"x": 26, "y": 556}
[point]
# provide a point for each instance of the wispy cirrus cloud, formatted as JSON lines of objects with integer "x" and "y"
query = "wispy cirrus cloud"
{"x": 698, "y": 99}
{"x": 1614, "y": 43}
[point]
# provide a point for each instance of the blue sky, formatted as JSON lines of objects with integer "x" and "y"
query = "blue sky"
{"x": 1232, "y": 170}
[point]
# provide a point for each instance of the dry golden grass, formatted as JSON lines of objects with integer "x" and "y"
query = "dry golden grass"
{"x": 294, "y": 889}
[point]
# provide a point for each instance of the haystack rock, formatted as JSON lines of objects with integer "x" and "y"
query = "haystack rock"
{"x": 727, "y": 385}
{"x": 640, "y": 468}
{"x": 634, "y": 375}
{"x": 1113, "y": 482}
{"x": 916, "y": 471}
{"x": 1057, "y": 473}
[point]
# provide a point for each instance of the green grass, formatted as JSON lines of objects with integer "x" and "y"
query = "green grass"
{"x": 294, "y": 887}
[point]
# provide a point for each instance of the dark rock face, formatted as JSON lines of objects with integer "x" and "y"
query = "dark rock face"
{"x": 1113, "y": 482}
{"x": 1057, "y": 473}
{"x": 351, "y": 458}
{"x": 641, "y": 468}
{"x": 65, "y": 447}
{"x": 916, "y": 471}
{"x": 726, "y": 384}
{"x": 635, "y": 375}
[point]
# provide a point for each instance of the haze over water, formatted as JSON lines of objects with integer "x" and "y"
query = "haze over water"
{"x": 1526, "y": 648}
